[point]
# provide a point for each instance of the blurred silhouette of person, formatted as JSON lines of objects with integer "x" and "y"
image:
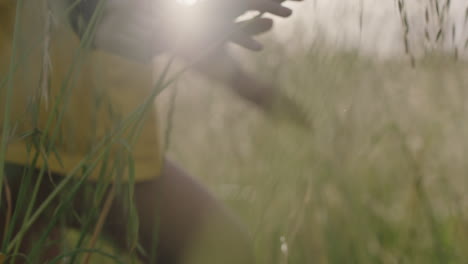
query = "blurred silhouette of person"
{"x": 76, "y": 76}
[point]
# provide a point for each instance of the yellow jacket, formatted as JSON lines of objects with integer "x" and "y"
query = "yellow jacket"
{"x": 103, "y": 91}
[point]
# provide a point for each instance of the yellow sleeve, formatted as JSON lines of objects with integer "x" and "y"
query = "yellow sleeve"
{"x": 7, "y": 11}
{"x": 6, "y": 3}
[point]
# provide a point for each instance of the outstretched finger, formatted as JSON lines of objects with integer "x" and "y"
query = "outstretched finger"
{"x": 256, "y": 26}
{"x": 272, "y": 7}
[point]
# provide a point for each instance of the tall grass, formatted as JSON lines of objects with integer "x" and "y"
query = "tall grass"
{"x": 379, "y": 177}
{"x": 28, "y": 209}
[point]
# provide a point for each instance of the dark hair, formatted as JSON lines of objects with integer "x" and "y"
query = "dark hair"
{"x": 81, "y": 14}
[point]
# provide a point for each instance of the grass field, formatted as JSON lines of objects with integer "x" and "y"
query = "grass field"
{"x": 380, "y": 176}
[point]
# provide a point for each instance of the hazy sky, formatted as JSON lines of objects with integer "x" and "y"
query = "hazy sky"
{"x": 382, "y": 33}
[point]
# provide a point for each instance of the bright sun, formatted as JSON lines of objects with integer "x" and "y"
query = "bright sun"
{"x": 187, "y": 2}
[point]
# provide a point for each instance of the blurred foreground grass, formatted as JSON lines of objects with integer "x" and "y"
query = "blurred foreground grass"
{"x": 380, "y": 178}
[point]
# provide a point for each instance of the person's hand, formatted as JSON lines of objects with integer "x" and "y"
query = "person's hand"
{"x": 242, "y": 33}
{"x": 232, "y": 9}
{"x": 212, "y": 23}
{"x": 134, "y": 30}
